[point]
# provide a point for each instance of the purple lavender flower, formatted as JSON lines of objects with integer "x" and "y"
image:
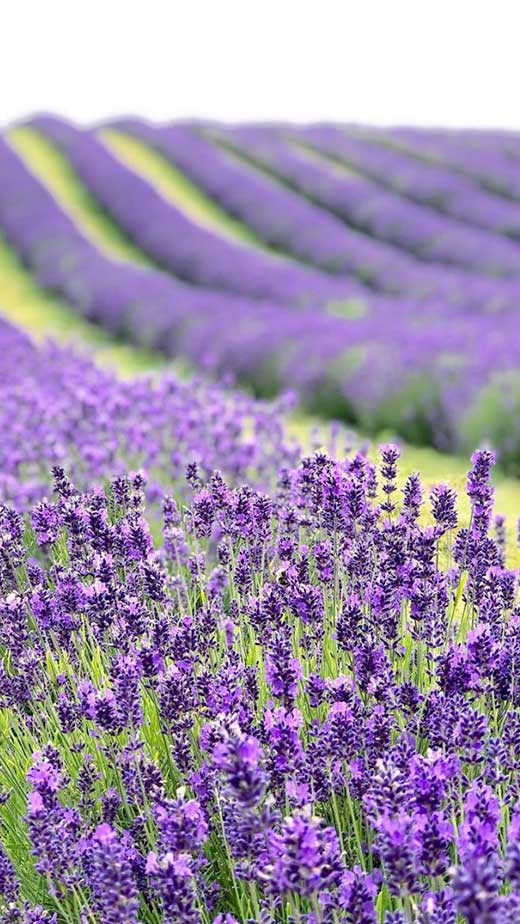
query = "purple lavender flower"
{"x": 478, "y": 837}
{"x": 412, "y": 498}
{"x": 356, "y": 897}
{"x": 110, "y": 878}
{"x": 444, "y": 509}
{"x": 239, "y": 758}
{"x": 173, "y": 879}
{"x": 476, "y": 892}
{"x": 46, "y": 522}
{"x": 282, "y": 669}
{"x": 53, "y": 829}
{"x": 480, "y": 490}
{"x": 181, "y": 824}
{"x": 304, "y": 857}
{"x": 9, "y": 885}
{"x": 389, "y": 455}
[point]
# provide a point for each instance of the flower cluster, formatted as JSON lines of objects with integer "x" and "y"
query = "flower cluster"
{"x": 298, "y": 705}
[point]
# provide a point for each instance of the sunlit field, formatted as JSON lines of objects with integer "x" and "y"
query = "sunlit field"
{"x": 259, "y": 503}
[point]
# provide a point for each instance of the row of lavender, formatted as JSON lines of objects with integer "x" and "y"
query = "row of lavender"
{"x": 439, "y": 185}
{"x": 300, "y": 704}
{"x": 280, "y": 219}
{"x": 491, "y": 162}
{"x": 191, "y": 252}
{"x": 270, "y": 344}
{"x": 426, "y": 368}
{"x": 265, "y": 341}
{"x": 377, "y": 218}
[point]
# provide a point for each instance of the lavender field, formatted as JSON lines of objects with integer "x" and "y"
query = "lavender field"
{"x": 259, "y": 524}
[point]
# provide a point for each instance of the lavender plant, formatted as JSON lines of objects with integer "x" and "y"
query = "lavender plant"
{"x": 299, "y": 704}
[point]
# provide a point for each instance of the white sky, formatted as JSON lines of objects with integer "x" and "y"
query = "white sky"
{"x": 450, "y": 62}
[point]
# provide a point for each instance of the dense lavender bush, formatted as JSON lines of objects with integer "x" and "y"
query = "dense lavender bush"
{"x": 58, "y": 408}
{"x": 299, "y": 705}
